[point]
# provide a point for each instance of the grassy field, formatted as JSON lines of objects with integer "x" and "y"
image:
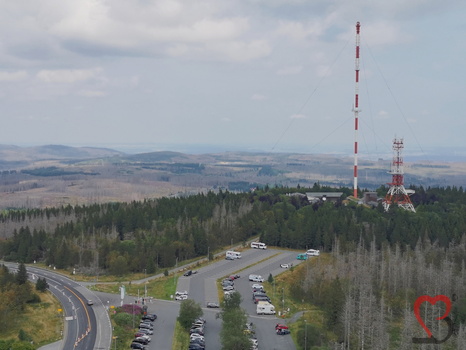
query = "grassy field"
{"x": 42, "y": 322}
{"x": 160, "y": 288}
{"x": 180, "y": 338}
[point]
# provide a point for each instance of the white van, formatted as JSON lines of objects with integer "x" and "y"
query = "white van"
{"x": 258, "y": 245}
{"x": 313, "y": 252}
{"x": 234, "y": 255}
{"x": 256, "y": 278}
{"x": 265, "y": 308}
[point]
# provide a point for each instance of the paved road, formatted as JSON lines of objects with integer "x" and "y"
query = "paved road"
{"x": 202, "y": 288}
{"x": 81, "y": 331}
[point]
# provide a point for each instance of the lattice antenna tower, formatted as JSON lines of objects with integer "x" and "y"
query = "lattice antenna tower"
{"x": 356, "y": 113}
{"x": 397, "y": 194}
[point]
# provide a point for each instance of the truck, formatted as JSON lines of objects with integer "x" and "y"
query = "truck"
{"x": 265, "y": 308}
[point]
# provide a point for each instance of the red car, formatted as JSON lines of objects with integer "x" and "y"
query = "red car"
{"x": 280, "y": 326}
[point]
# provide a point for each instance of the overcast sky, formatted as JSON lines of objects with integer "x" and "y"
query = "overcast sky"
{"x": 273, "y": 75}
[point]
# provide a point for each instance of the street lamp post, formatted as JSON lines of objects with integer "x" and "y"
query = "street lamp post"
{"x": 283, "y": 298}
{"x": 305, "y": 334}
{"x": 208, "y": 253}
{"x": 133, "y": 313}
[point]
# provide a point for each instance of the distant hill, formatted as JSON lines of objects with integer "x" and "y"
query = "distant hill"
{"x": 19, "y": 155}
{"x": 54, "y": 175}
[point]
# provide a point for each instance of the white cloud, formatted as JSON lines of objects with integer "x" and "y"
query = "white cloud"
{"x": 258, "y": 97}
{"x": 298, "y": 116}
{"x": 226, "y": 120}
{"x": 383, "y": 115}
{"x": 13, "y": 76}
{"x": 92, "y": 93}
{"x": 290, "y": 70}
{"x": 67, "y": 75}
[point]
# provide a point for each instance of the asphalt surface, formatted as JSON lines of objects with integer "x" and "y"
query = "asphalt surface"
{"x": 80, "y": 320}
{"x": 201, "y": 287}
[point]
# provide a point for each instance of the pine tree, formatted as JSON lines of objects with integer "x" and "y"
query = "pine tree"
{"x": 21, "y": 276}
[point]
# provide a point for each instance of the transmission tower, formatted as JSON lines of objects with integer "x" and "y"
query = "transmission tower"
{"x": 356, "y": 113}
{"x": 397, "y": 193}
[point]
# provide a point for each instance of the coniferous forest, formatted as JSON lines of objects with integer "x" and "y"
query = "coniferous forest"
{"x": 379, "y": 262}
{"x": 119, "y": 238}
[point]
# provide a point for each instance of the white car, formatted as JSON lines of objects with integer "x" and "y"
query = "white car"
{"x": 228, "y": 288}
{"x": 256, "y": 278}
{"x": 284, "y": 266}
{"x": 183, "y": 292}
{"x": 181, "y": 297}
{"x": 257, "y": 286}
{"x": 196, "y": 336}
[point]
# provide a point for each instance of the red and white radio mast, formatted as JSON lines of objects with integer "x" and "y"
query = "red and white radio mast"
{"x": 356, "y": 114}
{"x": 397, "y": 193}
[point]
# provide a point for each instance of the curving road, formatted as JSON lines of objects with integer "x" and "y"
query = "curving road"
{"x": 86, "y": 327}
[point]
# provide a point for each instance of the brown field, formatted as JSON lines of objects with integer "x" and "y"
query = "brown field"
{"x": 153, "y": 175}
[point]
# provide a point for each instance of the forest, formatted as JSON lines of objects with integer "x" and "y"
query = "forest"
{"x": 378, "y": 262}
{"x": 120, "y": 238}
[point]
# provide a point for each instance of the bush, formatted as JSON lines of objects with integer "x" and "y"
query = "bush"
{"x": 132, "y": 309}
{"x": 124, "y": 320}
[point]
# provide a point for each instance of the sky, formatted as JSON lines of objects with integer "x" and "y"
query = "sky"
{"x": 267, "y": 75}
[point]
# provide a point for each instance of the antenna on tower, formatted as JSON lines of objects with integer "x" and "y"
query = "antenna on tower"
{"x": 356, "y": 113}
{"x": 397, "y": 194}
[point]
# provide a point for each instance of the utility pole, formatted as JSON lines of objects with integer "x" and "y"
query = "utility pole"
{"x": 305, "y": 334}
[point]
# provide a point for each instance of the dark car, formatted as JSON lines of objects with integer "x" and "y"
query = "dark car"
{"x": 261, "y": 298}
{"x": 146, "y": 326}
{"x": 150, "y": 317}
{"x": 197, "y": 341}
{"x": 188, "y": 273}
{"x": 141, "y": 340}
{"x": 199, "y": 331}
{"x": 196, "y": 347}
{"x": 213, "y": 305}
{"x": 283, "y": 331}
{"x": 137, "y": 346}
{"x": 145, "y": 331}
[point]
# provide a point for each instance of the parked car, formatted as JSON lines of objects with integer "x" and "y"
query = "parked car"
{"x": 283, "y": 331}
{"x": 256, "y": 278}
{"x": 199, "y": 331}
{"x": 137, "y": 346}
{"x": 196, "y": 336}
{"x": 284, "y": 266}
{"x": 181, "y": 292}
{"x": 146, "y": 326}
{"x": 145, "y": 331}
{"x": 150, "y": 317}
{"x": 196, "y": 347}
{"x": 141, "y": 340}
{"x": 188, "y": 273}
{"x": 181, "y": 297}
{"x": 257, "y": 286}
{"x": 213, "y": 305}
{"x": 228, "y": 288}
{"x": 281, "y": 326}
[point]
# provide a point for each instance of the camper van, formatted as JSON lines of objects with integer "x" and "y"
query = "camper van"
{"x": 258, "y": 245}
{"x": 301, "y": 256}
{"x": 313, "y": 252}
{"x": 234, "y": 255}
{"x": 265, "y": 308}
